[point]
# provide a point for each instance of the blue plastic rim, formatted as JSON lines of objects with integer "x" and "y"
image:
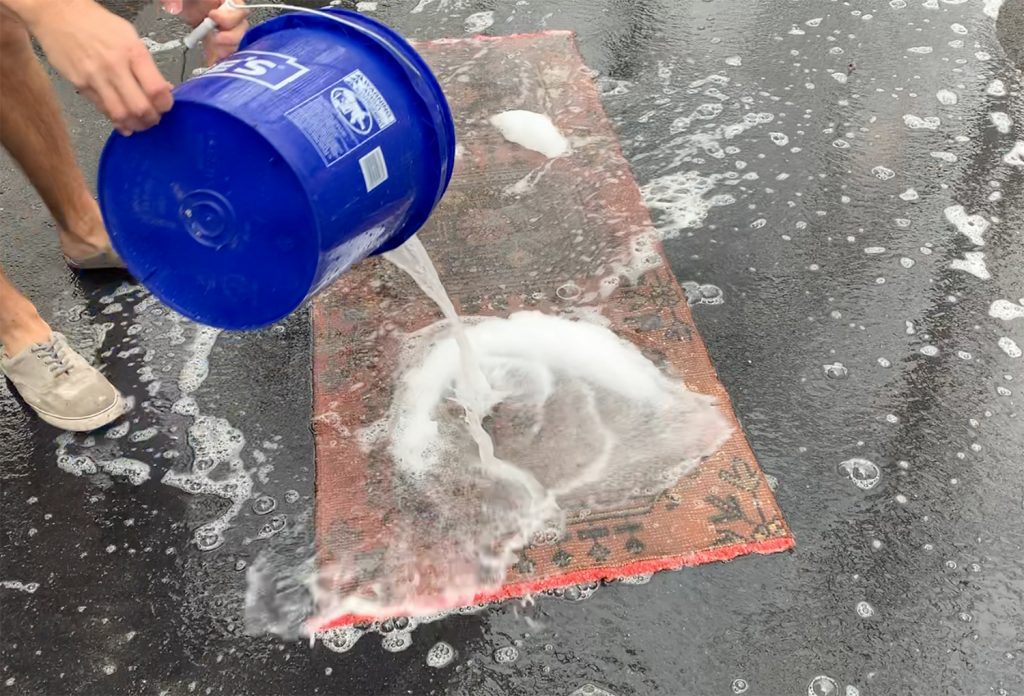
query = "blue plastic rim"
{"x": 314, "y": 146}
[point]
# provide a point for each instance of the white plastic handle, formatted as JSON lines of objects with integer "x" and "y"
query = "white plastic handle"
{"x": 199, "y": 33}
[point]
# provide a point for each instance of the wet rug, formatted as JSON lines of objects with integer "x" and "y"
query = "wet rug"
{"x": 518, "y": 231}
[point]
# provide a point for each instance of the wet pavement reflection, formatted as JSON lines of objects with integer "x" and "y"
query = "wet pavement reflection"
{"x": 841, "y": 182}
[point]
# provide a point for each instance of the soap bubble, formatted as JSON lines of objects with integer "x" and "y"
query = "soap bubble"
{"x": 506, "y": 655}
{"x": 823, "y": 686}
{"x": 637, "y": 579}
{"x": 396, "y": 642}
{"x": 341, "y": 639}
{"x": 264, "y": 505}
{"x": 441, "y": 655}
{"x": 208, "y": 538}
{"x": 862, "y": 472}
{"x": 578, "y": 593}
{"x": 836, "y": 371}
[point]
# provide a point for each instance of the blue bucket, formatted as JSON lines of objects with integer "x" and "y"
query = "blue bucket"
{"x": 316, "y": 145}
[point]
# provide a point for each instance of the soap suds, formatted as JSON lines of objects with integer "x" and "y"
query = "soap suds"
{"x": 479, "y": 21}
{"x": 973, "y": 227}
{"x": 1006, "y": 310}
{"x": 533, "y": 131}
{"x": 563, "y": 425}
{"x": 973, "y": 263}
{"x": 1002, "y": 121}
{"x": 1015, "y": 157}
{"x": 1010, "y": 347}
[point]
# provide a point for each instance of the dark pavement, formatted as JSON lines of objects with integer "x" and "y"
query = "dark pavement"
{"x": 911, "y": 586}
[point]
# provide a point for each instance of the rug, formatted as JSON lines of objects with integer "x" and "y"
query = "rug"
{"x": 514, "y": 231}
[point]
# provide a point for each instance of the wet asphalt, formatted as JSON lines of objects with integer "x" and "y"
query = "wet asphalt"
{"x": 912, "y": 586}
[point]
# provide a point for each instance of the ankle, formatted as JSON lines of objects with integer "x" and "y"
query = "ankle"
{"x": 22, "y": 329}
{"x": 82, "y": 229}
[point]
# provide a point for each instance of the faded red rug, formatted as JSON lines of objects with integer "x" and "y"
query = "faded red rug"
{"x": 510, "y": 232}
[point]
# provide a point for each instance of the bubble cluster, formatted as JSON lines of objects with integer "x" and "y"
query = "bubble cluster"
{"x": 506, "y": 655}
{"x": 440, "y": 655}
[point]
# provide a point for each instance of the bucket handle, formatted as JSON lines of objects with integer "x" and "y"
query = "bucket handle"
{"x": 382, "y": 40}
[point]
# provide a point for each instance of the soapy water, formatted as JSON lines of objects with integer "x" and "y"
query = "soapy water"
{"x": 498, "y": 428}
{"x": 499, "y": 425}
{"x": 217, "y": 468}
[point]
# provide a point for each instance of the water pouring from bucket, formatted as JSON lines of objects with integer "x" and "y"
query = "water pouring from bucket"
{"x": 325, "y": 139}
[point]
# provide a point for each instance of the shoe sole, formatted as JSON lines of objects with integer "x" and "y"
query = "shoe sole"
{"x": 95, "y": 265}
{"x": 87, "y": 423}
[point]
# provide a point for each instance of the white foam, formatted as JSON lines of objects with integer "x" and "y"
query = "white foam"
{"x": 909, "y": 195}
{"x": 160, "y": 47}
{"x": 682, "y": 199}
{"x": 996, "y": 88}
{"x": 1010, "y": 347}
{"x": 440, "y": 655}
{"x": 197, "y": 366}
{"x": 135, "y": 471}
{"x": 973, "y": 227}
{"x": 479, "y": 21}
{"x": 945, "y": 156}
{"x": 917, "y": 123}
{"x": 29, "y": 587}
{"x": 533, "y": 131}
{"x": 1015, "y": 157}
{"x": 366, "y": 6}
{"x": 1006, "y": 310}
{"x": 118, "y": 431}
{"x": 992, "y": 7}
{"x": 973, "y": 263}
{"x": 562, "y": 426}
{"x": 1002, "y": 121}
{"x": 920, "y": 50}
{"x": 863, "y": 472}
{"x": 947, "y": 97}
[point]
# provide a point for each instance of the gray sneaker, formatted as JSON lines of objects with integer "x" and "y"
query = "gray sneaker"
{"x": 64, "y": 389}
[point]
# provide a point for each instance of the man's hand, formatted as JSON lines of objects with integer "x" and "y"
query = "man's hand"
{"x": 231, "y": 24}
{"x": 102, "y": 56}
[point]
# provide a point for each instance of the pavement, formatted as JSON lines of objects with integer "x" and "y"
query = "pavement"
{"x": 839, "y": 251}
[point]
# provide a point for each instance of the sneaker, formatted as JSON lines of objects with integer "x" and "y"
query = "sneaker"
{"x": 107, "y": 259}
{"x": 64, "y": 389}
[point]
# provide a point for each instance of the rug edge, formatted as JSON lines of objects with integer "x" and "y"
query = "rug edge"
{"x": 597, "y": 574}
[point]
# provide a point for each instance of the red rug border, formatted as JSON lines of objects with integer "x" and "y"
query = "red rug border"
{"x": 579, "y": 577}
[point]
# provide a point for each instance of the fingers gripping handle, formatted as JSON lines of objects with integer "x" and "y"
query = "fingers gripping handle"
{"x": 204, "y": 29}
{"x": 199, "y": 33}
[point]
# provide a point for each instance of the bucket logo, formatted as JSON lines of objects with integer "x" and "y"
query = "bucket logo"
{"x": 272, "y": 70}
{"x": 352, "y": 110}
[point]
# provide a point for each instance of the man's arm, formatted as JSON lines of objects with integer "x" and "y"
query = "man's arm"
{"x": 102, "y": 56}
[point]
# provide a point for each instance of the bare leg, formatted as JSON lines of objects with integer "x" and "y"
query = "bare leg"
{"x": 32, "y": 130}
{"x": 20, "y": 323}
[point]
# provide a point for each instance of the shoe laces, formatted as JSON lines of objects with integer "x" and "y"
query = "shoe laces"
{"x": 54, "y": 356}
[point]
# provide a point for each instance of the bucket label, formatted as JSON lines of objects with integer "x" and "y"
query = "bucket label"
{"x": 272, "y": 70}
{"x": 343, "y": 116}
